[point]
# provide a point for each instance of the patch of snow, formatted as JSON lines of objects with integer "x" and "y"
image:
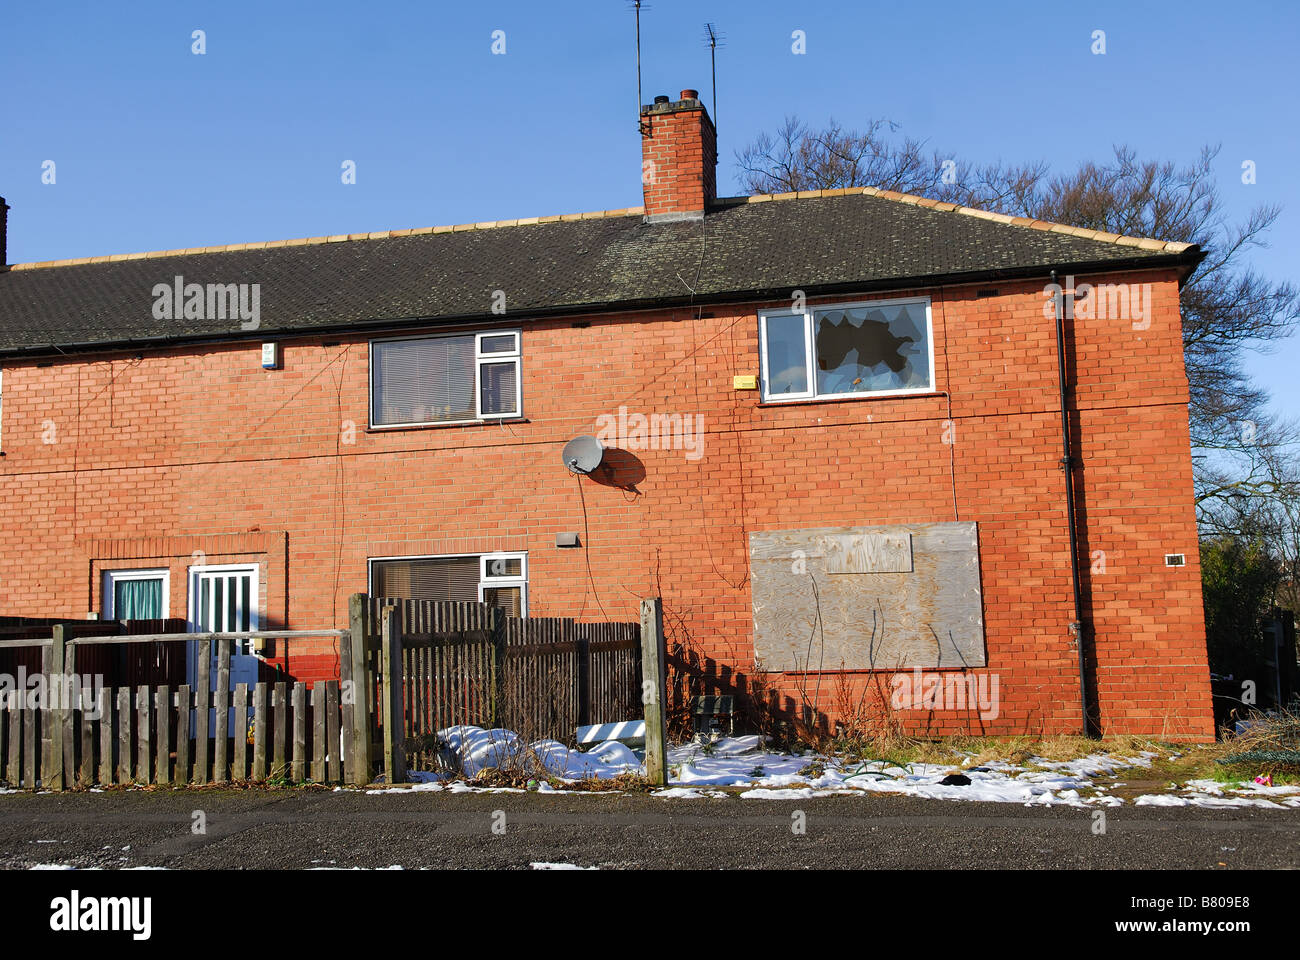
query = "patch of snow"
{"x": 688, "y": 793}
{"x": 1095, "y": 764}
{"x": 395, "y": 866}
{"x": 542, "y": 865}
{"x": 480, "y": 749}
{"x": 745, "y": 762}
{"x": 1200, "y": 800}
{"x": 1255, "y": 789}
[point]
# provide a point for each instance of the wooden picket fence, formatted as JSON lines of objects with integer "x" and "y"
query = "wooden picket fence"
{"x": 81, "y": 735}
{"x": 407, "y": 670}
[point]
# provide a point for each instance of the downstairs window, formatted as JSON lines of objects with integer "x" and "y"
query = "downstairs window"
{"x": 499, "y": 579}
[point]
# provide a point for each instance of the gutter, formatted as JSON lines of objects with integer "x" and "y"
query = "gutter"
{"x": 1077, "y": 629}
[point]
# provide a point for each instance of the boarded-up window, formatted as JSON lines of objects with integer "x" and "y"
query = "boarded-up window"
{"x": 884, "y": 598}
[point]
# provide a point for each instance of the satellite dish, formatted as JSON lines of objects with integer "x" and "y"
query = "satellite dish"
{"x": 582, "y": 454}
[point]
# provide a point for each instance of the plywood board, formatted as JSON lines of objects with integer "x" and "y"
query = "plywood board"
{"x": 870, "y": 597}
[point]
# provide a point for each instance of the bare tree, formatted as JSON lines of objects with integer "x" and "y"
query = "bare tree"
{"x": 797, "y": 157}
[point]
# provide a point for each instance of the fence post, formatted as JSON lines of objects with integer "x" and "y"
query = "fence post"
{"x": 394, "y": 728}
{"x": 202, "y": 698}
{"x": 54, "y": 715}
{"x": 653, "y": 691}
{"x": 583, "y": 655}
{"x": 497, "y": 627}
{"x": 221, "y": 716}
{"x": 358, "y": 715}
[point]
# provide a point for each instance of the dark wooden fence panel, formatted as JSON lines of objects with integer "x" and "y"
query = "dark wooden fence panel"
{"x": 541, "y": 678}
{"x": 614, "y": 658}
{"x": 464, "y": 663}
{"x": 127, "y": 665}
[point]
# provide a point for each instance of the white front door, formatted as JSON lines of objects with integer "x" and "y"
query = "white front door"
{"x": 223, "y": 599}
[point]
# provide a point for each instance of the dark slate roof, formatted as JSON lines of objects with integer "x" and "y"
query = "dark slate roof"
{"x": 741, "y": 250}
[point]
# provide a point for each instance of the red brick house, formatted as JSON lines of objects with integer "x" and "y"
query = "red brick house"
{"x": 834, "y": 424}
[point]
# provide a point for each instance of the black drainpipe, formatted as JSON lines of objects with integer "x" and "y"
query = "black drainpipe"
{"x": 1067, "y": 466}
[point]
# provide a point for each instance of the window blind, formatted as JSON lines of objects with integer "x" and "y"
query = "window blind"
{"x": 425, "y": 380}
{"x": 444, "y": 578}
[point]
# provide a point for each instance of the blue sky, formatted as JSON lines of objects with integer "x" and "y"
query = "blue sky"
{"x": 156, "y": 147}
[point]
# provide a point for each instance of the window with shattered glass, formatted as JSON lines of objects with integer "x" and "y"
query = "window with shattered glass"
{"x": 847, "y": 350}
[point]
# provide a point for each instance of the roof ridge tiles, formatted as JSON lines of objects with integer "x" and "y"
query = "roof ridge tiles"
{"x": 334, "y": 238}
{"x": 1144, "y": 243}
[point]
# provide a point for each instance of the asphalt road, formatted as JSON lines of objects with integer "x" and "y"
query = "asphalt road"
{"x": 297, "y": 829}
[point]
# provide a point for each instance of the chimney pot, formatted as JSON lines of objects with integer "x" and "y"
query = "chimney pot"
{"x": 662, "y": 98}
{"x": 690, "y": 94}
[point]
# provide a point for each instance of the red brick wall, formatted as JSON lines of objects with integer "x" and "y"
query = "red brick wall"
{"x": 202, "y": 449}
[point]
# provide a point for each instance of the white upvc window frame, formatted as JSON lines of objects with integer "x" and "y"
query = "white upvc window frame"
{"x": 486, "y": 579}
{"x": 514, "y": 356}
{"x": 481, "y": 357}
{"x": 810, "y": 350}
{"x": 809, "y": 373}
{"x": 108, "y": 595}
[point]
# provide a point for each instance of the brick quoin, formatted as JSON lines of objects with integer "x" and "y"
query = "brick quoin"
{"x": 163, "y": 452}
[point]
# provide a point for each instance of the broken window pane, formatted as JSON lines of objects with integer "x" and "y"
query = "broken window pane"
{"x": 787, "y": 355}
{"x": 879, "y": 347}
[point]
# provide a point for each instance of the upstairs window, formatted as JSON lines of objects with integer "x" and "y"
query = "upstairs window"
{"x": 444, "y": 379}
{"x": 847, "y": 350}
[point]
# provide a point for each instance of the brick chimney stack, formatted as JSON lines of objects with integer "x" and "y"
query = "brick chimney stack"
{"x": 679, "y": 158}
